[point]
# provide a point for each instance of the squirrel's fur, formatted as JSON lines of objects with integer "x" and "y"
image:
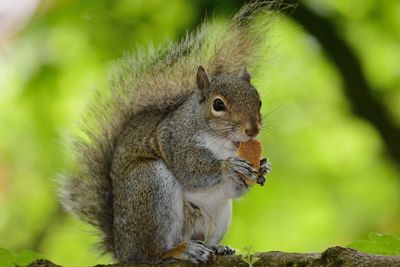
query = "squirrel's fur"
{"x": 156, "y": 81}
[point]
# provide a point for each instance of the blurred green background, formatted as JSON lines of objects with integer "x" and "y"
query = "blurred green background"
{"x": 333, "y": 178}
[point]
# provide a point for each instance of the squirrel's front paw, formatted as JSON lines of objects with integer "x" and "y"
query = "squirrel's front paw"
{"x": 237, "y": 168}
{"x": 265, "y": 168}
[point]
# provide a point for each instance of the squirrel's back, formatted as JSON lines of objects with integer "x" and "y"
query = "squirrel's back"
{"x": 157, "y": 80}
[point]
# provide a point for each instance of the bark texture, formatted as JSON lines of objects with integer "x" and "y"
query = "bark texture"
{"x": 335, "y": 256}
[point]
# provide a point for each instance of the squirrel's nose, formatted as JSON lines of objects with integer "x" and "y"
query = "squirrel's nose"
{"x": 252, "y": 129}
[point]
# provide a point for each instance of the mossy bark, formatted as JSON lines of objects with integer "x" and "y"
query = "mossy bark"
{"x": 335, "y": 256}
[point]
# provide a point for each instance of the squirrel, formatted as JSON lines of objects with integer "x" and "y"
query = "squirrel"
{"x": 156, "y": 167}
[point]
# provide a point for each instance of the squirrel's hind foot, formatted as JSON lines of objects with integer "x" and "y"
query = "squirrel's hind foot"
{"x": 193, "y": 251}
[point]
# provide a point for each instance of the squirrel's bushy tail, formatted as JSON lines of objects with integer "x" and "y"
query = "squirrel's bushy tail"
{"x": 158, "y": 79}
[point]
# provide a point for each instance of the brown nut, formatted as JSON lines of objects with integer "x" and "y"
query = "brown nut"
{"x": 250, "y": 151}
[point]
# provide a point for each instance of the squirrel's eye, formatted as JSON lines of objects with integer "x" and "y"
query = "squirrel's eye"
{"x": 260, "y": 103}
{"x": 218, "y": 105}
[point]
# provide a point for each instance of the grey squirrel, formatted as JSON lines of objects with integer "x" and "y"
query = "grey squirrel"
{"x": 157, "y": 169}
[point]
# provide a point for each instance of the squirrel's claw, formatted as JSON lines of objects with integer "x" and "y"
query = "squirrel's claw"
{"x": 238, "y": 168}
{"x": 224, "y": 250}
{"x": 261, "y": 180}
{"x": 265, "y": 168}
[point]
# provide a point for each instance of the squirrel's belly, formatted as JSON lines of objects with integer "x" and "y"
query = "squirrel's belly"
{"x": 215, "y": 214}
{"x": 221, "y": 147}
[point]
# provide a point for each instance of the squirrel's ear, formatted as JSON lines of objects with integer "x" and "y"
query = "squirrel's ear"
{"x": 244, "y": 75}
{"x": 203, "y": 82}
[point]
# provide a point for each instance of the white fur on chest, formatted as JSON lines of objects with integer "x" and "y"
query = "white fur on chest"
{"x": 216, "y": 203}
{"x": 210, "y": 199}
{"x": 221, "y": 147}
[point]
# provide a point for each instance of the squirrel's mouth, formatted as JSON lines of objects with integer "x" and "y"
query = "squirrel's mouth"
{"x": 238, "y": 138}
{"x": 236, "y": 144}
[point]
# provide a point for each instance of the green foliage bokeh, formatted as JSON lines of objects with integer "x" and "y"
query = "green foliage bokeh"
{"x": 331, "y": 183}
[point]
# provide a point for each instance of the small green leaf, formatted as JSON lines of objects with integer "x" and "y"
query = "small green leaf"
{"x": 24, "y": 257}
{"x": 254, "y": 259}
{"x": 248, "y": 256}
{"x": 384, "y": 244}
{"x": 6, "y": 258}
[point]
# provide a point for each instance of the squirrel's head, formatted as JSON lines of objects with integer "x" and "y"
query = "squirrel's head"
{"x": 231, "y": 105}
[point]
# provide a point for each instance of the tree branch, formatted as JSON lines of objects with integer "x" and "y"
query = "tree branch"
{"x": 335, "y": 256}
{"x": 356, "y": 87}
